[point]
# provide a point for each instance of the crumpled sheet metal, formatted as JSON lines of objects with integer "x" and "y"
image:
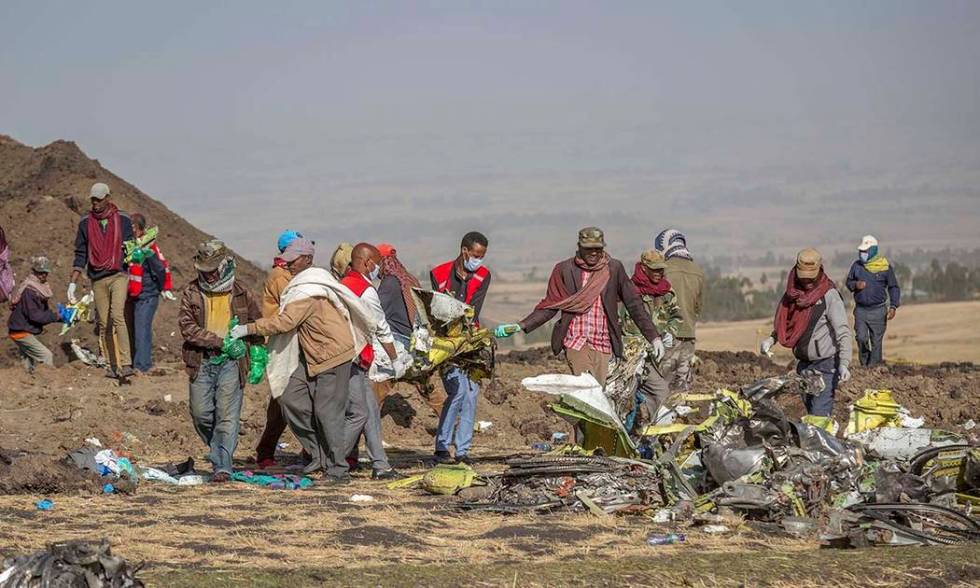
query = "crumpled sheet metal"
{"x": 72, "y": 563}
{"x": 901, "y": 443}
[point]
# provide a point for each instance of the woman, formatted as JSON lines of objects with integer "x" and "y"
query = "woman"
{"x": 812, "y": 321}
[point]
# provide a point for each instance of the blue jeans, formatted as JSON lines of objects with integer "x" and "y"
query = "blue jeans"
{"x": 143, "y": 311}
{"x": 216, "y": 408}
{"x": 460, "y": 404}
{"x": 821, "y": 404}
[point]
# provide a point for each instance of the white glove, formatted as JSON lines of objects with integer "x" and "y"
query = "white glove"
{"x": 169, "y": 295}
{"x": 668, "y": 340}
{"x": 239, "y": 331}
{"x": 844, "y": 374}
{"x": 766, "y": 347}
{"x": 71, "y": 293}
{"x": 658, "y": 348}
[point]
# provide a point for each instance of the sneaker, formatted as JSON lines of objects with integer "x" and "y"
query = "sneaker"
{"x": 464, "y": 459}
{"x": 221, "y": 478}
{"x": 389, "y": 474}
{"x": 337, "y": 480}
{"x": 266, "y": 462}
{"x": 444, "y": 457}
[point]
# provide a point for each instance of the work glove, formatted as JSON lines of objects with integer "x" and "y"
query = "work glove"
{"x": 766, "y": 347}
{"x": 504, "y": 331}
{"x": 843, "y": 373}
{"x": 658, "y": 348}
{"x": 71, "y": 293}
{"x": 169, "y": 295}
{"x": 238, "y": 331}
{"x": 668, "y": 340}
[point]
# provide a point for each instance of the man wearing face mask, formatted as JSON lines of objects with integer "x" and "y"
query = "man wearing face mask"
{"x": 811, "y": 320}
{"x": 876, "y": 298}
{"x": 363, "y": 411}
{"x": 587, "y": 289}
{"x": 467, "y": 279}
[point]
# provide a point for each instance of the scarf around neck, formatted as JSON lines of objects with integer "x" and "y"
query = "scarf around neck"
{"x": 877, "y": 264}
{"x": 225, "y": 281}
{"x": 105, "y": 246}
{"x": 392, "y": 266}
{"x": 643, "y": 284}
{"x": 31, "y": 281}
{"x": 796, "y": 306}
{"x": 558, "y": 298}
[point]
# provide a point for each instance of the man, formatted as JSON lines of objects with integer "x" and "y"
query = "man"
{"x": 660, "y": 302}
{"x": 313, "y": 340}
{"x": 467, "y": 279}
{"x": 363, "y": 412}
{"x": 687, "y": 279}
{"x": 99, "y": 253}
{"x": 811, "y": 320}
{"x": 275, "y": 282}
{"x": 30, "y": 313}
{"x": 340, "y": 260}
{"x": 149, "y": 279}
{"x": 587, "y": 289}
{"x": 398, "y": 303}
{"x": 876, "y": 298}
{"x": 207, "y": 307}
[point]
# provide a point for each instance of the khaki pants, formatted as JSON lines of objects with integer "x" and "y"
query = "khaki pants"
{"x": 588, "y": 360}
{"x": 676, "y": 366}
{"x": 435, "y": 400}
{"x": 110, "y": 305}
{"x": 33, "y": 352}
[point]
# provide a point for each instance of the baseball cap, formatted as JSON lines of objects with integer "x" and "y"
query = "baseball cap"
{"x": 591, "y": 238}
{"x": 653, "y": 259}
{"x": 867, "y": 242}
{"x": 99, "y": 191}
{"x": 298, "y": 248}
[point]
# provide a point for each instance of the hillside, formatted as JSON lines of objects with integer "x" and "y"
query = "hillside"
{"x": 44, "y": 192}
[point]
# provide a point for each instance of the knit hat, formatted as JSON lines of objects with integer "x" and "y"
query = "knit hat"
{"x": 41, "y": 265}
{"x": 285, "y": 238}
{"x": 298, "y": 248}
{"x": 653, "y": 260}
{"x": 867, "y": 242}
{"x": 672, "y": 243}
{"x": 808, "y": 264}
{"x": 591, "y": 238}
{"x": 99, "y": 191}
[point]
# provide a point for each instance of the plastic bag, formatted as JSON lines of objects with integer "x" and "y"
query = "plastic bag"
{"x": 233, "y": 349}
{"x": 259, "y": 357}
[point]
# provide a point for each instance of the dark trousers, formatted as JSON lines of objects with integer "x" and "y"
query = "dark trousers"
{"x": 315, "y": 409}
{"x": 821, "y": 404}
{"x": 275, "y": 426}
{"x": 869, "y": 330}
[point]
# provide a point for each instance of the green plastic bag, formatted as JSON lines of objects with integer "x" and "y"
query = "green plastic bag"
{"x": 259, "y": 356}
{"x": 232, "y": 349}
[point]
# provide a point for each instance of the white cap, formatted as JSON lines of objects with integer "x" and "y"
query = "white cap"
{"x": 867, "y": 242}
{"x": 99, "y": 191}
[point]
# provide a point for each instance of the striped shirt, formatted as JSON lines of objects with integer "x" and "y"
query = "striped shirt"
{"x": 589, "y": 327}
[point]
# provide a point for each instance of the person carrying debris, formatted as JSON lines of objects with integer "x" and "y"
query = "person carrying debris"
{"x": 312, "y": 343}
{"x": 398, "y": 303}
{"x": 687, "y": 279}
{"x": 30, "y": 312}
{"x": 149, "y": 279}
{"x": 275, "y": 282}
{"x": 588, "y": 289}
{"x": 876, "y": 298}
{"x": 661, "y": 304}
{"x": 467, "y": 279}
{"x": 811, "y": 320}
{"x": 99, "y": 252}
{"x": 217, "y": 371}
{"x": 363, "y": 411}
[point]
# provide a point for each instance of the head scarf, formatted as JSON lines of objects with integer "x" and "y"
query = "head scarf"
{"x": 392, "y": 266}
{"x": 6, "y": 272}
{"x": 796, "y": 306}
{"x": 31, "y": 281}
{"x": 672, "y": 243}
{"x": 647, "y": 288}
{"x": 558, "y": 298}
{"x": 105, "y": 246}
{"x": 226, "y": 277}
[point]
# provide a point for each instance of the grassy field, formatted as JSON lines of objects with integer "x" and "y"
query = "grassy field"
{"x": 921, "y": 333}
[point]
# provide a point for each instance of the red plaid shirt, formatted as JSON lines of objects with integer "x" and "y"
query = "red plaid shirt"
{"x": 589, "y": 327}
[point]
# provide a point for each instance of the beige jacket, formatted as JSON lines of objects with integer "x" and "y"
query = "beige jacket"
{"x": 324, "y": 334}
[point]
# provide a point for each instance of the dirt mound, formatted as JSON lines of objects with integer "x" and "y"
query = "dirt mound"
{"x": 44, "y": 192}
{"x": 38, "y": 474}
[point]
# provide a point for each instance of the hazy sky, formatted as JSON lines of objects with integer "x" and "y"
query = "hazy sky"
{"x": 292, "y": 112}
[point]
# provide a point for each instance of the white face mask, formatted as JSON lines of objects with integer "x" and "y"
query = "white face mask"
{"x": 473, "y": 263}
{"x": 863, "y": 255}
{"x": 374, "y": 273}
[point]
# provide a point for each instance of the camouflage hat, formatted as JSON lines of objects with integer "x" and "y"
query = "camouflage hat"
{"x": 41, "y": 265}
{"x": 653, "y": 259}
{"x": 808, "y": 263}
{"x": 591, "y": 238}
{"x": 209, "y": 255}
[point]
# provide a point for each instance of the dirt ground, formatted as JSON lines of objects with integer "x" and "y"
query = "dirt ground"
{"x": 243, "y": 535}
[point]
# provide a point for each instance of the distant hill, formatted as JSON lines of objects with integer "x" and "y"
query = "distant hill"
{"x": 44, "y": 192}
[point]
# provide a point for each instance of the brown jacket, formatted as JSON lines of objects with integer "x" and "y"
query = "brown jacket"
{"x": 619, "y": 289}
{"x": 198, "y": 341}
{"x": 275, "y": 283}
{"x": 324, "y": 334}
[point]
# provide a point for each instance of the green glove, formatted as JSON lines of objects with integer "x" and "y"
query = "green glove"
{"x": 259, "y": 356}
{"x": 504, "y": 331}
